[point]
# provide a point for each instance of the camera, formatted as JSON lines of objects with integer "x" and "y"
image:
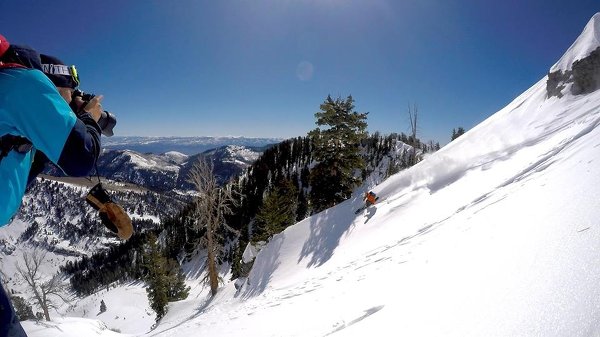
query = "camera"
{"x": 107, "y": 120}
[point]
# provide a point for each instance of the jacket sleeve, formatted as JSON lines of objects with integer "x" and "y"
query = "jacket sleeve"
{"x": 82, "y": 147}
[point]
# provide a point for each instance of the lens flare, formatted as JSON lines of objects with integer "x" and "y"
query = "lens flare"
{"x": 305, "y": 71}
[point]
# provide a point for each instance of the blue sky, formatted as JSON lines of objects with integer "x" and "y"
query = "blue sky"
{"x": 261, "y": 68}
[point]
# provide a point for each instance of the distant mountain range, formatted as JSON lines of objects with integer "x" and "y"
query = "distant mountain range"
{"x": 170, "y": 170}
{"x": 163, "y": 163}
{"x": 185, "y": 145}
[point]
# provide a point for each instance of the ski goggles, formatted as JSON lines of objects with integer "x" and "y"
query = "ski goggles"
{"x": 74, "y": 74}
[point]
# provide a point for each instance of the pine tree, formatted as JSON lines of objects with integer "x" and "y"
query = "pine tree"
{"x": 337, "y": 151}
{"x": 302, "y": 210}
{"x": 156, "y": 278}
{"x": 22, "y": 308}
{"x": 457, "y": 133}
{"x": 176, "y": 288}
{"x": 277, "y": 212}
{"x": 102, "y": 306}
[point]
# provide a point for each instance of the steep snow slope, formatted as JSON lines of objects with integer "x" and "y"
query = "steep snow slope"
{"x": 495, "y": 235}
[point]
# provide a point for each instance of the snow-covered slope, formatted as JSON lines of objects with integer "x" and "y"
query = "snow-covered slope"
{"x": 582, "y": 47}
{"x": 235, "y": 154}
{"x": 176, "y": 157}
{"x": 497, "y": 234}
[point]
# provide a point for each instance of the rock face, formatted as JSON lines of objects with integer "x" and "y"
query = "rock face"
{"x": 557, "y": 81}
{"x": 584, "y": 76}
{"x": 578, "y": 70}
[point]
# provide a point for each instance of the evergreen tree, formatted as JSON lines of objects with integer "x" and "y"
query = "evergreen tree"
{"x": 302, "y": 210}
{"x": 457, "y": 133}
{"x": 277, "y": 212}
{"x": 156, "y": 277}
{"x": 102, "y": 306}
{"x": 119, "y": 263}
{"x": 176, "y": 288}
{"x": 337, "y": 151}
{"x": 22, "y": 308}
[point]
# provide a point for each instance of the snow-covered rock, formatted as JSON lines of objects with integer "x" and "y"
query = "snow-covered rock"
{"x": 587, "y": 42}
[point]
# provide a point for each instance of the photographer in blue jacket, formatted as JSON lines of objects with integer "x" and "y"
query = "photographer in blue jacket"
{"x": 35, "y": 116}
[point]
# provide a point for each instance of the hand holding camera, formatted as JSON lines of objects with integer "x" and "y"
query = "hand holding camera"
{"x": 91, "y": 103}
{"x": 93, "y": 106}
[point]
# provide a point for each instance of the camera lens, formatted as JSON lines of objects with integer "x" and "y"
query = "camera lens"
{"x": 107, "y": 122}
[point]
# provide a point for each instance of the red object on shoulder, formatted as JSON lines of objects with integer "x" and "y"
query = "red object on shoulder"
{"x": 4, "y": 45}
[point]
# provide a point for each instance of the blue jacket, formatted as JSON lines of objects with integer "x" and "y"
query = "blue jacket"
{"x": 31, "y": 107}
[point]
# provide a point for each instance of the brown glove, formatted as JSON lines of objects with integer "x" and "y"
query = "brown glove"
{"x": 112, "y": 215}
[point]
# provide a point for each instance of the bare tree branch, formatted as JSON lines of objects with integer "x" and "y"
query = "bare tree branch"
{"x": 413, "y": 114}
{"x": 211, "y": 206}
{"x": 42, "y": 291}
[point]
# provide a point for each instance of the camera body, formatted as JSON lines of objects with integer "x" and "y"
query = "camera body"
{"x": 107, "y": 119}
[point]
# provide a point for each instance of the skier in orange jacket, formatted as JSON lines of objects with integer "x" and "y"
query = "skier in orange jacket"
{"x": 370, "y": 198}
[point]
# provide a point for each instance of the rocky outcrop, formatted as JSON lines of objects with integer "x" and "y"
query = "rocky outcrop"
{"x": 584, "y": 76}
